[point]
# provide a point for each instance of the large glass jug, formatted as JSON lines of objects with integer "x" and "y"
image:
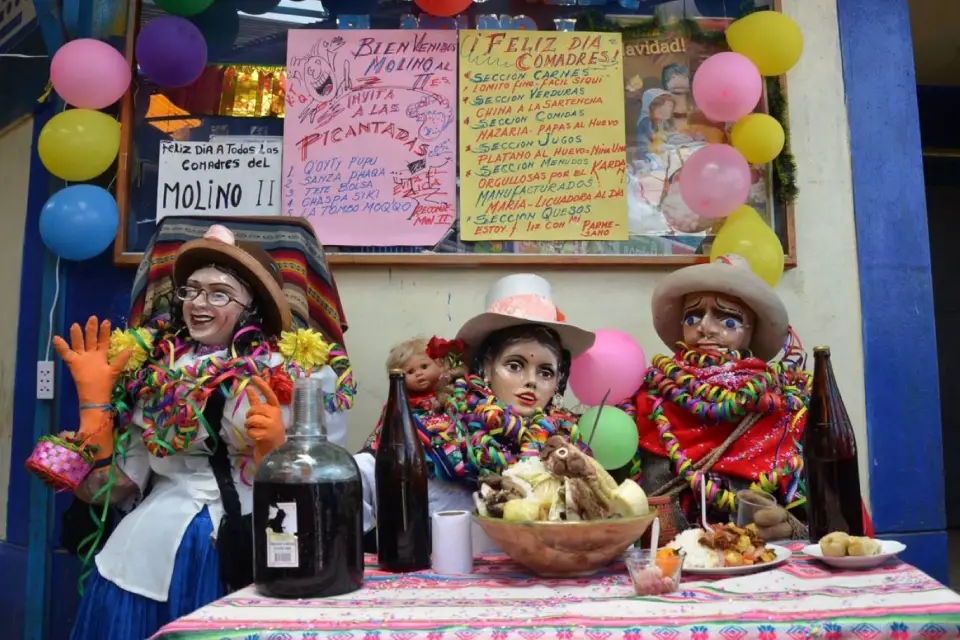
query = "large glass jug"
{"x": 308, "y": 509}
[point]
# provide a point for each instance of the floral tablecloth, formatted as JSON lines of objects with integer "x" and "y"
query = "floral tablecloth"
{"x": 501, "y": 601}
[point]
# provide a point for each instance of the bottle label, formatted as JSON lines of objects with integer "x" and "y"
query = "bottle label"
{"x": 282, "y": 552}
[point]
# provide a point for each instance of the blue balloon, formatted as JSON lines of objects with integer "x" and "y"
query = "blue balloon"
{"x": 79, "y": 222}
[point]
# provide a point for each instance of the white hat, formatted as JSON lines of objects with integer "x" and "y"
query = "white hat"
{"x": 523, "y": 298}
{"x": 729, "y": 275}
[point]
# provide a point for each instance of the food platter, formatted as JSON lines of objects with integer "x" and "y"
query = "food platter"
{"x": 888, "y": 549}
{"x": 782, "y": 555}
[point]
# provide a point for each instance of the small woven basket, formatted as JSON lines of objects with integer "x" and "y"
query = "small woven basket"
{"x": 60, "y": 464}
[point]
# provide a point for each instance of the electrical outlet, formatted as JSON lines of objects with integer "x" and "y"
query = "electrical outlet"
{"x": 45, "y": 380}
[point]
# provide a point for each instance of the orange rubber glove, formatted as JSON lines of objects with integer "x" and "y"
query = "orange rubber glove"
{"x": 94, "y": 377}
{"x": 264, "y": 422}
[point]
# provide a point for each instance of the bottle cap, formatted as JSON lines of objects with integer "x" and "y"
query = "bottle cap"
{"x": 825, "y": 350}
{"x": 397, "y": 372}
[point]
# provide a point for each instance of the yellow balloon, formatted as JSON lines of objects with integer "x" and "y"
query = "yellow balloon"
{"x": 79, "y": 144}
{"x": 758, "y": 137}
{"x": 745, "y": 234}
{"x": 770, "y": 39}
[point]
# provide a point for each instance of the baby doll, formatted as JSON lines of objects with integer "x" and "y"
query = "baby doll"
{"x": 429, "y": 367}
{"x": 421, "y": 372}
{"x": 449, "y": 355}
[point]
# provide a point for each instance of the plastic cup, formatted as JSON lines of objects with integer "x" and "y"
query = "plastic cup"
{"x": 658, "y": 578}
{"x": 749, "y": 502}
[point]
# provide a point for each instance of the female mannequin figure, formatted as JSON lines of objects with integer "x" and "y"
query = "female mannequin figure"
{"x": 716, "y": 412}
{"x": 508, "y": 404}
{"x": 176, "y": 416}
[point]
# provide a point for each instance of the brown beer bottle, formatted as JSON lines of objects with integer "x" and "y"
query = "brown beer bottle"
{"x": 830, "y": 468}
{"x": 403, "y": 515}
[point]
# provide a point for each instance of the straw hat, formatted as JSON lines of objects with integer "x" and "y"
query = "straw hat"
{"x": 730, "y": 275}
{"x": 250, "y": 262}
{"x": 523, "y": 298}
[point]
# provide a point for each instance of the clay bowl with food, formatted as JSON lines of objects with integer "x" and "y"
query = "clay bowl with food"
{"x": 565, "y": 549}
{"x": 561, "y": 515}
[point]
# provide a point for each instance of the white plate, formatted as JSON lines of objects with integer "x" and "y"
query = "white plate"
{"x": 888, "y": 549}
{"x": 783, "y": 554}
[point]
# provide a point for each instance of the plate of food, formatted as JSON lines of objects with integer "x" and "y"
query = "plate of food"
{"x": 844, "y": 551}
{"x": 727, "y": 550}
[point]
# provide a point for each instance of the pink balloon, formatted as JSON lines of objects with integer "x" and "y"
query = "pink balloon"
{"x": 727, "y": 86}
{"x": 615, "y": 362}
{"x": 89, "y": 74}
{"x": 714, "y": 181}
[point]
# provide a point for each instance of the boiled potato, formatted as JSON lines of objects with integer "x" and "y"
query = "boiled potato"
{"x": 521, "y": 510}
{"x": 834, "y": 544}
{"x": 858, "y": 546}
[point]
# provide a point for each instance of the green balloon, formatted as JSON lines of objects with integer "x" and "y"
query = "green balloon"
{"x": 615, "y": 441}
{"x": 185, "y": 8}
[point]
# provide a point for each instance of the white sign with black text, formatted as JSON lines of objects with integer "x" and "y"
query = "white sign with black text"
{"x": 238, "y": 178}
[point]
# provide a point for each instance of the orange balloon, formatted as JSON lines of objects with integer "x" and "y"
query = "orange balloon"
{"x": 444, "y": 8}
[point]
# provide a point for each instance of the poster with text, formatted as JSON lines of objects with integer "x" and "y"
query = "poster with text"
{"x": 542, "y": 154}
{"x": 223, "y": 177}
{"x": 369, "y": 135}
{"x": 665, "y": 127}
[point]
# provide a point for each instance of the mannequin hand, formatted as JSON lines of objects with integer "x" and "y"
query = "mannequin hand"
{"x": 772, "y": 524}
{"x": 86, "y": 357}
{"x": 95, "y": 377}
{"x": 264, "y": 422}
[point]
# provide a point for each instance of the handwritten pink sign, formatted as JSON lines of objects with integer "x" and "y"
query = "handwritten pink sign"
{"x": 369, "y": 135}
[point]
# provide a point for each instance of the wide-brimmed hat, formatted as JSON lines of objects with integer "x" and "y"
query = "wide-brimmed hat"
{"x": 730, "y": 276}
{"x": 523, "y": 298}
{"x": 250, "y": 262}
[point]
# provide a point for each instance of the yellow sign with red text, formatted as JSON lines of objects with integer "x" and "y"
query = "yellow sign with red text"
{"x": 542, "y": 139}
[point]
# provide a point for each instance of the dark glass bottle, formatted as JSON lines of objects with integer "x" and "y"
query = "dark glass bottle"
{"x": 830, "y": 467}
{"x": 308, "y": 509}
{"x": 403, "y": 512}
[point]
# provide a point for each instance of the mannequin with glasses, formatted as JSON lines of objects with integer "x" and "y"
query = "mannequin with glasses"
{"x": 193, "y": 403}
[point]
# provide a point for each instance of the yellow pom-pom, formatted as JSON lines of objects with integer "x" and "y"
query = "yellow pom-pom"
{"x": 138, "y": 341}
{"x": 304, "y": 347}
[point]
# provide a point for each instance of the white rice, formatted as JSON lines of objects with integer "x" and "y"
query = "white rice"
{"x": 697, "y": 555}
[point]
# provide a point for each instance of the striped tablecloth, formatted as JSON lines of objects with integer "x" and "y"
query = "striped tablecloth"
{"x": 500, "y": 601}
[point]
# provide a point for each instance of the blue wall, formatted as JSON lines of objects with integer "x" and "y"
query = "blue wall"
{"x": 896, "y": 299}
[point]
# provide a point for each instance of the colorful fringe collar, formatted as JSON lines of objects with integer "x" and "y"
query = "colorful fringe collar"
{"x": 173, "y": 397}
{"x": 493, "y": 434}
{"x": 477, "y": 434}
{"x": 720, "y": 388}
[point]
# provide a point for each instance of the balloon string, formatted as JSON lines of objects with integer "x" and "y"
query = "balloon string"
{"x": 596, "y": 422}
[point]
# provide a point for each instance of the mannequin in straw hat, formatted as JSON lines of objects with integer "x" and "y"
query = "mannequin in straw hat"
{"x": 727, "y": 410}
{"x": 718, "y": 411}
{"x": 174, "y": 417}
{"x": 518, "y": 355}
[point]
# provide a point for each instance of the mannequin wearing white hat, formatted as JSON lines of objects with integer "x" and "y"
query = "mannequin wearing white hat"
{"x": 518, "y": 360}
{"x": 724, "y": 324}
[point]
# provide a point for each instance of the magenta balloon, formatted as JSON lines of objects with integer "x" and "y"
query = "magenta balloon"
{"x": 615, "y": 362}
{"x": 727, "y": 86}
{"x": 89, "y": 74}
{"x": 714, "y": 181}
